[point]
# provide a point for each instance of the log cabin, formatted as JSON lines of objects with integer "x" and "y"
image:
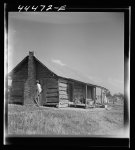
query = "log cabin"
{"x": 58, "y": 89}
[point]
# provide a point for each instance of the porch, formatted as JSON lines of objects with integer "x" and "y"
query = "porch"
{"x": 81, "y": 95}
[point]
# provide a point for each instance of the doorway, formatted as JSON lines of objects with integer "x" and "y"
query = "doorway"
{"x": 70, "y": 91}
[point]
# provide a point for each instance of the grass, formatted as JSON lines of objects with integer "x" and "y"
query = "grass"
{"x": 26, "y": 120}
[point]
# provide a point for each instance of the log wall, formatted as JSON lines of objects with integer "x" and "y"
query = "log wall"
{"x": 17, "y": 92}
{"x": 63, "y": 87}
{"x": 21, "y": 72}
{"x": 19, "y": 77}
{"x": 50, "y": 91}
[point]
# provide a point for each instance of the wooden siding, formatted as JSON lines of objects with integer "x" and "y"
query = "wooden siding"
{"x": 63, "y": 96}
{"x": 49, "y": 91}
{"x": 42, "y": 72}
{"x": 63, "y": 88}
{"x": 63, "y": 93}
{"x": 63, "y": 85}
{"x": 17, "y": 92}
{"x": 53, "y": 90}
{"x": 52, "y": 100}
{"x": 52, "y": 94}
{"x": 21, "y": 72}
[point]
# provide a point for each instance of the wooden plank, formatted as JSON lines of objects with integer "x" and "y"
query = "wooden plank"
{"x": 51, "y": 80}
{"x": 52, "y": 86}
{"x": 63, "y": 88}
{"x": 52, "y": 97}
{"x": 64, "y": 101}
{"x": 17, "y": 96}
{"x": 63, "y": 93}
{"x": 63, "y": 84}
{"x": 18, "y": 86}
{"x": 50, "y": 83}
{"x": 63, "y": 96}
{"x": 52, "y": 90}
{"x": 52, "y": 100}
{"x": 49, "y": 104}
{"x": 15, "y": 99}
{"x": 63, "y": 81}
{"x": 17, "y": 93}
{"x": 51, "y": 94}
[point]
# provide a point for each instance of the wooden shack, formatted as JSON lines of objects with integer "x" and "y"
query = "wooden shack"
{"x": 56, "y": 90}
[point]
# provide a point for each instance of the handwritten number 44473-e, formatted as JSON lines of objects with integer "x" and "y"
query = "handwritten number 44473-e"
{"x": 40, "y": 8}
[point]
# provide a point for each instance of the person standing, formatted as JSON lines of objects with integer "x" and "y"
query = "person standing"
{"x": 38, "y": 92}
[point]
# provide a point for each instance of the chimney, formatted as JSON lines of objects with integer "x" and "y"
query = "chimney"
{"x": 31, "y": 67}
{"x": 30, "y": 84}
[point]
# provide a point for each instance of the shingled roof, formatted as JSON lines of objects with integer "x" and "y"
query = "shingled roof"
{"x": 68, "y": 73}
{"x": 61, "y": 71}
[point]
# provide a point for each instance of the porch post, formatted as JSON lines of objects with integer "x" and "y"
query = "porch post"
{"x": 86, "y": 97}
{"x": 101, "y": 95}
{"x": 72, "y": 91}
{"x": 58, "y": 94}
{"x": 95, "y": 95}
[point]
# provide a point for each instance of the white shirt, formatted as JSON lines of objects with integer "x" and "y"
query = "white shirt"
{"x": 39, "y": 87}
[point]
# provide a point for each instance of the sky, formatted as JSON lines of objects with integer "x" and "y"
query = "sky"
{"x": 91, "y": 43}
